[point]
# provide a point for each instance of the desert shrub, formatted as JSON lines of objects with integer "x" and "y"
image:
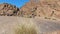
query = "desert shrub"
{"x": 25, "y": 29}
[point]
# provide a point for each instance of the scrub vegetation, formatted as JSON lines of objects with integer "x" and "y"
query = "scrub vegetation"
{"x": 26, "y": 29}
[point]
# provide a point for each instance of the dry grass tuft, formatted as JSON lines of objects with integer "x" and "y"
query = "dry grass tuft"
{"x": 26, "y": 29}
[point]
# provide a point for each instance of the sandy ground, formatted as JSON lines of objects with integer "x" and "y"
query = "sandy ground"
{"x": 7, "y": 24}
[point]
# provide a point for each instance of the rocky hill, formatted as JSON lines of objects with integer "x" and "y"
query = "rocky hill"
{"x": 41, "y": 8}
{"x": 8, "y": 10}
{"x": 35, "y": 8}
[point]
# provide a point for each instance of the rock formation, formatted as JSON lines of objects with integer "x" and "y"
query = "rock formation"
{"x": 8, "y": 10}
{"x": 34, "y": 8}
{"x": 41, "y": 8}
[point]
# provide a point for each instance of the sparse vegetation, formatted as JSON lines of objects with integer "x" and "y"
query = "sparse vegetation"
{"x": 47, "y": 18}
{"x": 25, "y": 29}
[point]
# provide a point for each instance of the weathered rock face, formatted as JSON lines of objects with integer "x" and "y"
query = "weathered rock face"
{"x": 8, "y": 10}
{"x": 41, "y": 8}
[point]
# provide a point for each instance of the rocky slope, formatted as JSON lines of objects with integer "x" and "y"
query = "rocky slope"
{"x": 35, "y": 8}
{"x": 41, "y": 8}
{"x": 8, "y": 10}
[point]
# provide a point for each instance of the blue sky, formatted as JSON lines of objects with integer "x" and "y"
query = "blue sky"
{"x": 18, "y": 3}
